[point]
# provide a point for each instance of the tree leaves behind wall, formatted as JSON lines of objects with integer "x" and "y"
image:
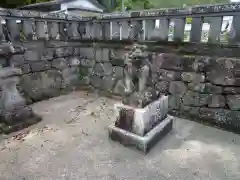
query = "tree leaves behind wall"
{"x": 129, "y": 4}
{"x": 148, "y": 4}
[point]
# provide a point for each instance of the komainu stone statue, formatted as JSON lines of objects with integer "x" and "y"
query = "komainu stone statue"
{"x": 137, "y": 75}
{"x": 14, "y": 113}
{"x": 142, "y": 117}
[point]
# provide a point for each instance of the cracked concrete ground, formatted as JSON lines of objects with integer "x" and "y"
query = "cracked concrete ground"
{"x": 71, "y": 143}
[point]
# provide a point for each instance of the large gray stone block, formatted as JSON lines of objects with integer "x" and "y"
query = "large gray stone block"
{"x": 60, "y": 63}
{"x": 87, "y": 53}
{"x": 17, "y": 59}
{"x": 189, "y": 111}
{"x": 177, "y": 88}
{"x": 32, "y": 55}
{"x": 47, "y": 54}
{"x": 162, "y": 86}
{"x": 40, "y": 66}
{"x": 195, "y": 99}
{"x": 207, "y": 88}
{"x": 192, "y": 77}
{"x": 41, "y": 85}
{"x": 74, "y": 61}
{"x": 169, "y": 62}
{"x": 216, "y": 101}
{"x": 87, "y": 62}
{"x": 231, "y": 90}
{"x": 168, "y": 75}
{"x": 102, "y": 55}
{"x": 174, "y": 102}
{"x": 222, "y": 117}
{"x": 222, "y": 77}
{"x": 233, "y": 102}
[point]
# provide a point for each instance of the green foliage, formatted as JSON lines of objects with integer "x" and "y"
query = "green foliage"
{"x": 148, "y": 4}
{"x": 129, "y": 4}
{"x": 134, "y": 4}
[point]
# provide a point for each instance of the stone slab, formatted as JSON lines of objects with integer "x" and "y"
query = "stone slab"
{"x": 141, "y": 120}
{"x": 146, "y": 142}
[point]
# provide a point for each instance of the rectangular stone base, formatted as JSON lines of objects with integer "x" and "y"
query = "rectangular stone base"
{"x": 143, "y": 143}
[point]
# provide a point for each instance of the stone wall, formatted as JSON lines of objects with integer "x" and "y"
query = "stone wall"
{"x": 202, "y": 88}
{"x": 49, "y": 71}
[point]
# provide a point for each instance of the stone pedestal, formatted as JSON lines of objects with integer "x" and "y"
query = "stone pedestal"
{"x": 141, "y": 127}
{"x": 14, "y": 112}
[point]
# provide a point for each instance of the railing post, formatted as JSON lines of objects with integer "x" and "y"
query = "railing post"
{"x": 234, "y": 35}
{"x": 196, "y": 29}
{"x": 178, "y": 32}
{"x": 215, "y": 29}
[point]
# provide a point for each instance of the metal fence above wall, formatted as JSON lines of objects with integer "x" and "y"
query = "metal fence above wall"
{"x": 155, "y": 25}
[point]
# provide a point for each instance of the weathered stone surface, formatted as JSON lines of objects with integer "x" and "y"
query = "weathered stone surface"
{"x": 87, "y": 62}
{"x": 233, "y": 102}
{"x": 60, "y": 63}
{"x": 63, "y": 52}
{"x": 222, "y": 117}
{"x": 117, "y": 72}
{"x": 83, "y": 71}
{"x": 107, "y": 83}
{"x": 17, "y": 59}
{"x": 212, "y": 89}
{"x": 192, "y": 77}
{"x": 9, "y": 72}
{"x": 47, "y": 54}
{"x": 174, "y": 102}
{"x": 189, "y": 110}
{"x": 102, "y": 55}
{"x": 71, "y": 78}
{"x": 197, "y": 87}
{"x": 87, "y": 53}
{"x": 60, "y": 52}
{"x": 119, "y": 88}
{"x": 74, "y": 61}
{"x": 169, "y": 62}
{"x": 195, "y": 99}
{"x": 40, "y": 66}
{"x": 231, "y": 90}
{"x": 24, "y": 67}
{"x": 101, "y": 69}
{"x": 41, "y": 85}
{"x": 216, "y": 101}
{"x": 177, "y": 88}
{"x": 162, "y": 86}
{"x": 187, "y": 63}
{"x": 32, "y": 56}
{"x": 117, "y": 62}
{"x": 224, "y": 78}
{"x": 141, "y": 100}
{"x": 201, "y": 64}
{"x": 96, "y": 81}
{"x": 168, "y": 75}
{"x": 205, "y": 88}
{"x": 76, "y": 51}
{"x": 117, "y": 53}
